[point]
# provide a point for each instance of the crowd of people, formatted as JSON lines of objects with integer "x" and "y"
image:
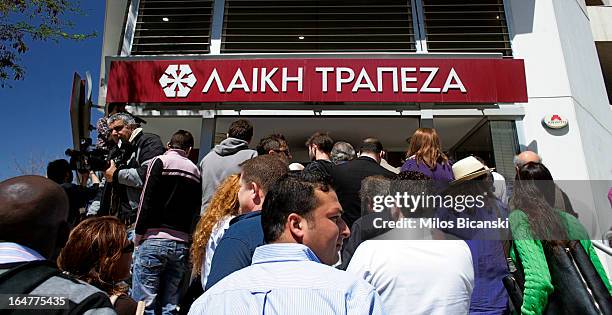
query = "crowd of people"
{"x": 246, "y": 231}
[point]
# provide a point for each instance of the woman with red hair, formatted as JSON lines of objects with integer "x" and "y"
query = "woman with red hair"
{"x": 98, "y": 252}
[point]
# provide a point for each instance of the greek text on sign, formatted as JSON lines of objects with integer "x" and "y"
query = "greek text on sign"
{"x": 317, "y": 80}
{"x": 261, "y": 79}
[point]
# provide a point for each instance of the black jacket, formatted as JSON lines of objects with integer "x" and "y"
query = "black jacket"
{"x": 78, "y": 197}
{"x": 347, "y": 179}
{"x": 320, "y": 168}
{"x": 142, "y": 149}
{"x": 42, "y": 278}
{"x": 171, "y": 197}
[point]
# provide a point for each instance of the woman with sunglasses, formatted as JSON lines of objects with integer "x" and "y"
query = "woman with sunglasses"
{"x": 98, "y": 252}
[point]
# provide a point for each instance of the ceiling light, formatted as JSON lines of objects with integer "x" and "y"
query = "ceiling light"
{"x": 165, "y": 19}
{"x": 300, "y": 37}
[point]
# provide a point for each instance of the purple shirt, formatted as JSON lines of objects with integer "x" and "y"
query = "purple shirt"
{"x": 489, "y": 296}
{"x": 442, "y": 172}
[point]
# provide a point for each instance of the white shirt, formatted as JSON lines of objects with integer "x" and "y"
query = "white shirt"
{"x": 422, "y": 276}
{"x": 288, "y": 278}
{"x": 215, "y": 236}
{"x": 499, "y": 184}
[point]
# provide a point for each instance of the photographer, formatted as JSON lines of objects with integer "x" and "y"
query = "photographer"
{"x": 141, "y": 148}
{"x": 79, "y": 196}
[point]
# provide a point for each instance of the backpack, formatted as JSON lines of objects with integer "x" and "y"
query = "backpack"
{"x": 578, "y": 289}
{"x": 25, "y": 278}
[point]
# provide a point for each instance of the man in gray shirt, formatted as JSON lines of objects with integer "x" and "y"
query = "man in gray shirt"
{"x": 224, "y": 159}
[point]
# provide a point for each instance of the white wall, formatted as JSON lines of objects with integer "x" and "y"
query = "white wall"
{"x": 564, "y": 76}
{"x": 592, "y": 111}
{"x": 536, "y": 39}
{"x": 113, "y": 26}
{"x": 601, "y": 22}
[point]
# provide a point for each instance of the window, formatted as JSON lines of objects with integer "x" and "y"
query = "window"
{"x": 293, "y": 26}
{"x": 318, "y": 25}
{"x": 172, "y": 27}
{"x": 466, "y": 26}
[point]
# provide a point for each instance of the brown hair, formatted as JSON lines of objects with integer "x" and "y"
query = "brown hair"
{"x": 426, "y": 148}
{"x": 93, "y": 252}
{"x": 532, "y": 185}
{"x": 223, "y": 203}
{"x": 322, "y": 140}
{"x": 271, "y": 142}
{"x": 241, "y": 129}
{"x": 181, "y": 140}
{"x": 263, "y": 170}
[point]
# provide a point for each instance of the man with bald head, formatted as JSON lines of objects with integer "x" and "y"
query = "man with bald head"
{"x": 562, "y": 201}
{"x": 526, "y": 157}
{"x": 32, "y": 209}
{"x": 33, "y": 228}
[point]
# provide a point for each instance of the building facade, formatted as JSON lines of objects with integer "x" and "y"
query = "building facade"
{"x": 502, "y": 68}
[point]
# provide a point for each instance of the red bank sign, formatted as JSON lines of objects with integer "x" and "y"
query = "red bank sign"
{"x": 318, "y": 80}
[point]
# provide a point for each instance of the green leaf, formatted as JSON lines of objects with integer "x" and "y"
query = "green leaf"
{"x": 40, "y": 20}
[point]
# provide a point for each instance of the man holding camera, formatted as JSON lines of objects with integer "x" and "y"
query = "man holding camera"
{"x": 80, "y": 195}
{"x": 142, "y": 148}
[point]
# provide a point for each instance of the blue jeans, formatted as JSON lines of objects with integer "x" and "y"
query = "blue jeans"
{"x": 159, "y": 266}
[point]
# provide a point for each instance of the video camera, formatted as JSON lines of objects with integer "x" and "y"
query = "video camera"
{"x": 86, "y": 159}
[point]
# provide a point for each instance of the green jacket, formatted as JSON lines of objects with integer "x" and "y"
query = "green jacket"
{"x": 538, "y": 284}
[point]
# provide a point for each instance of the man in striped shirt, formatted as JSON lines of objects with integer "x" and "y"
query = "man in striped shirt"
{"x": 170, "y": 201}
{"x": 291, "y": 274}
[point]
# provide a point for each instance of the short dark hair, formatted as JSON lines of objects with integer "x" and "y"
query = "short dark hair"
{"x": 413, "y": 183}
{"x": 411, "y": 175}
{"x": 372, "y": 186}
{"x": 371, "y": 145}
{"x": 323, "y": 141}
{"x": 264, "y": 170}
{"x": 292, "y": 193}
{"x": 241, "y": 129}
{"x": 270, "y": 142}
{"x": 57, "y": 170}
{"x": 182, "y": 140}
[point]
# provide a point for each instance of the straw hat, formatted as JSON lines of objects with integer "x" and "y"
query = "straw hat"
{"x": 469, "y": 168}
{"x": 296, "y": 167}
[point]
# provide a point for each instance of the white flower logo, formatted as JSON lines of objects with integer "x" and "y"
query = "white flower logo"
{"x": 177, "y": 81}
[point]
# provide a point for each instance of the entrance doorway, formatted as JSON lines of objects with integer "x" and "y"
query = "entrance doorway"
{"x": 391, "y": 131}
{"x": 494, "y": 141}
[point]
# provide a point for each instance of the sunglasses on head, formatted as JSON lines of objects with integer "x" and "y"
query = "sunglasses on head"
{"x": 285, "y": 152}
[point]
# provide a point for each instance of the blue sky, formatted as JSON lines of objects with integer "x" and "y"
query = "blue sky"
{"x": 36, "y": 120}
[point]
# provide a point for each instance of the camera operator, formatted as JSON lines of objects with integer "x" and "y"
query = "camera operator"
{"x": 78, "y": 195}
{"x": 105, "y": 140}
{"x": 141, "y": 148}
